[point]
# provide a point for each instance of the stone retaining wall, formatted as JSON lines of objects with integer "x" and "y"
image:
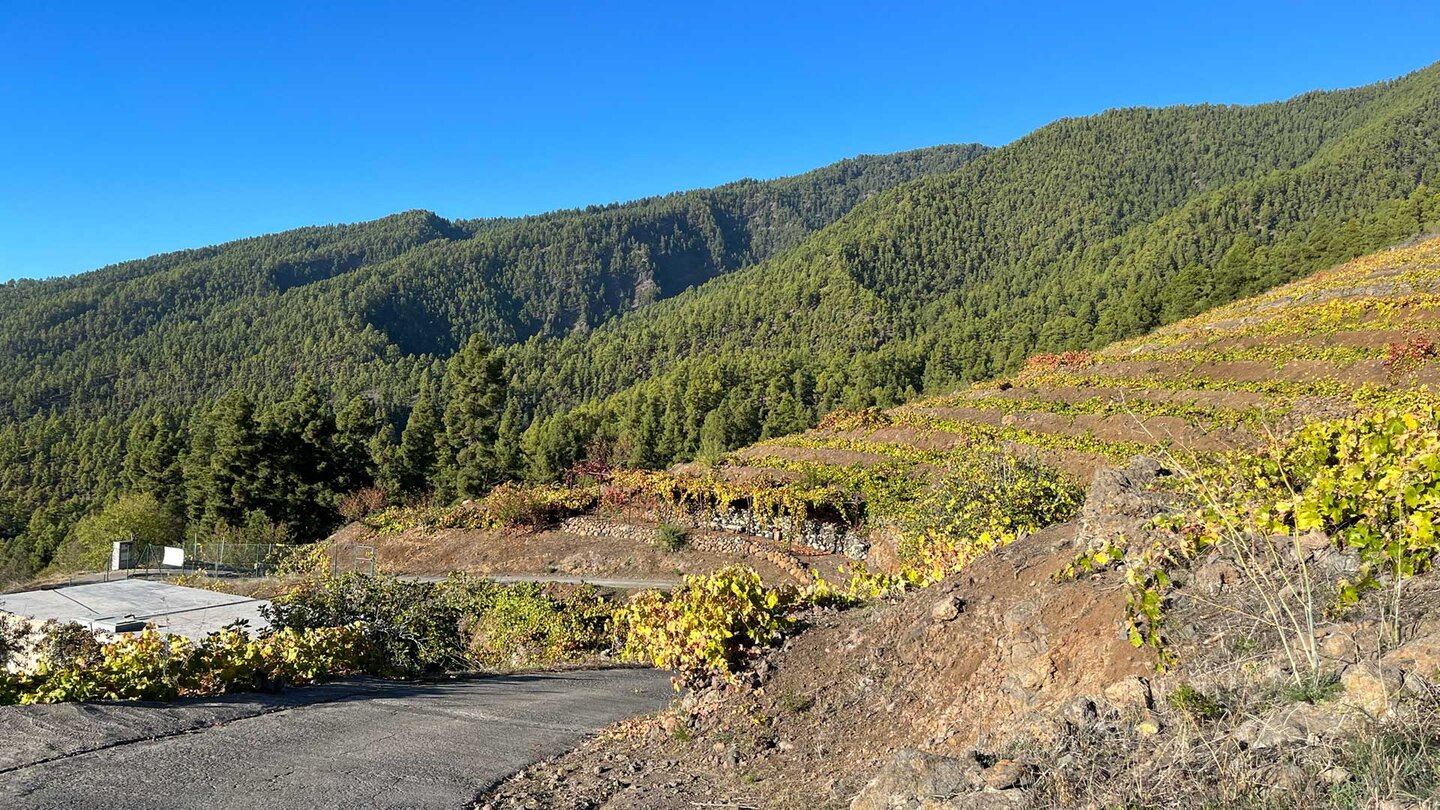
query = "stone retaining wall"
{"x": 827, "y": 538}
{"x": 596, "y": 526}
{"x": 809, "y": 537}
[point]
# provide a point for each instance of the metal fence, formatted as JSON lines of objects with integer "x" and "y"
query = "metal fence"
{"x": 220, "y": 558}
{"x": 351, "y": 557}
{"x": 216, "y": 557}
{"x": 235, "y": 559}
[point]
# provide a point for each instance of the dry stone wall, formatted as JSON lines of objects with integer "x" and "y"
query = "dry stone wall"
{"x": 729, "y": 544}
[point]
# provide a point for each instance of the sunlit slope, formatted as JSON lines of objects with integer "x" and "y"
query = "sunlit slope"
{"x": 1085, "y": 232}
{"x": 1362, "y": 335}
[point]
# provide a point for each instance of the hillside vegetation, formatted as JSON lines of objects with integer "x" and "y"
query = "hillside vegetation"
{"x": 1242, "y": 612}
{"x": 1190, "y": 569}
{"x": 88, "y": 360}
{"x": 1084, "y": 232}
{"x": 474, "y": 353}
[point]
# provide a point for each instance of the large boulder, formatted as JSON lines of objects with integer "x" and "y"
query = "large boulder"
{"x": 1415, "y": 661}
{"x": 1123, "y": 500}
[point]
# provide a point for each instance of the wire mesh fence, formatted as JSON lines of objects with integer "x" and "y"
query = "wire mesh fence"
{"x": 217, "y": 557}
{"x": 220, "y": 558}
{"x": 347, "y": 558}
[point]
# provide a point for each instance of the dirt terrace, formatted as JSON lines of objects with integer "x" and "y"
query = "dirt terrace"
{"x": 983, "y": 655}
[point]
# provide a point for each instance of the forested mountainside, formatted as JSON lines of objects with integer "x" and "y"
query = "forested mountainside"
{"x": 1086, "y": 231}
{"x": 365, "y": 307}
{"x": 356, "y": 300}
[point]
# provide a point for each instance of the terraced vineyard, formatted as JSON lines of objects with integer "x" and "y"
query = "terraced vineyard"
{"x": 930, "y": 485}
{"x": 1360, "y": 336}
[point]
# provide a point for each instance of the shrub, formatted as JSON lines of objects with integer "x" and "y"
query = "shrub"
{"x": 509, "y": 505}
{"x": 1408, "y": 354}
{"x": 67, "y": 645}
{"x": 150, "y": 665}
{"x": 1047, "y": 361}
{"x": 1194, "y": 703}
{"x": 707, "y": 627}
{"x": 513, "y": 505}
{"x": 425, "y": 627}
{"x": 14, "y": 637}
{"x": 1372, "y": 483}
{"x": 989, "y": 506}
{"x": 142, "y": 666}
{"x": 1317, "y": 687}
{"x": 232, "y": 661}
{"x": 363, "y": 502}
{"x": 414, "y": 627}
{"x": 522, "y": 625}
{"x": 862, "y": 585}
{"x": 671, "y": 537}
{"x": 862, "y": 419}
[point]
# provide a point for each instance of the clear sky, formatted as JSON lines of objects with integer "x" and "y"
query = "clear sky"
{"x": 129, "y": 129}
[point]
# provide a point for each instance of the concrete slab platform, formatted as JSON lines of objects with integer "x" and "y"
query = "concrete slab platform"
{"x": 189, "y": 612}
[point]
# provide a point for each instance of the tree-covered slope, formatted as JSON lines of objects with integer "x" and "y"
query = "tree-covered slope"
{"x": 1084, "y": 232}
{"x": 653, "y": 332}
{"x": 368, "y": 308}
{"x": 358, "y": 301}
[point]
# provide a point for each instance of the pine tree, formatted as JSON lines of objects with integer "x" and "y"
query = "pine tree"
{"x": 383, "y": 452}
{"x": 475, "y": 401}
{"x": 301, "y": 469}
{"x": 509, "y": 460}
{"x": 225, "y": 468}
{"x": 153, "y": 459}
{"x": 414, "y": 468}
{"x": 357, "y": 425}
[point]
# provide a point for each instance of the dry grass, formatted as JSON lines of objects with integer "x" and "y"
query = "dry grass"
{"x": 1196, "y": 761}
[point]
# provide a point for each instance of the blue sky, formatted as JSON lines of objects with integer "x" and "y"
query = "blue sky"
{"x": 133, "y": 129}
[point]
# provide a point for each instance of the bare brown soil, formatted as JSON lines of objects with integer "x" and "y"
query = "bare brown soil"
{"x": 839, "y": 699}
{"x": 550, "y": 552}
{"x": 1246, "y": 371}
{"x": 1226, "y": 400}
{"x": 1108, "y": 428}
{"x": 1358, "y": 338}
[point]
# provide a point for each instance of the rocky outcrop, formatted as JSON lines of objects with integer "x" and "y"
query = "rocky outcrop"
{"x": 915, "y": 780}
{"x": 1122, "y": 501}
{"x": 1293, "y": 723}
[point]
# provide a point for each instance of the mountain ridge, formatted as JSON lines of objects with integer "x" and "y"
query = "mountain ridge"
{"x": 1296, "y": 170}
{"x": 693, "y": 324}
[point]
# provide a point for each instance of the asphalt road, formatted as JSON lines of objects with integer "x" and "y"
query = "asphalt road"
{"x": 371, "y": 744}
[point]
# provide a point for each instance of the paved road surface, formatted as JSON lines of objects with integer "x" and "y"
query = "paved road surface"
{"x": 369, "y": 744}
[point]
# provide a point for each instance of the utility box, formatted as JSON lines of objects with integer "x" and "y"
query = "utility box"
{"x": 122, "y": 555}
